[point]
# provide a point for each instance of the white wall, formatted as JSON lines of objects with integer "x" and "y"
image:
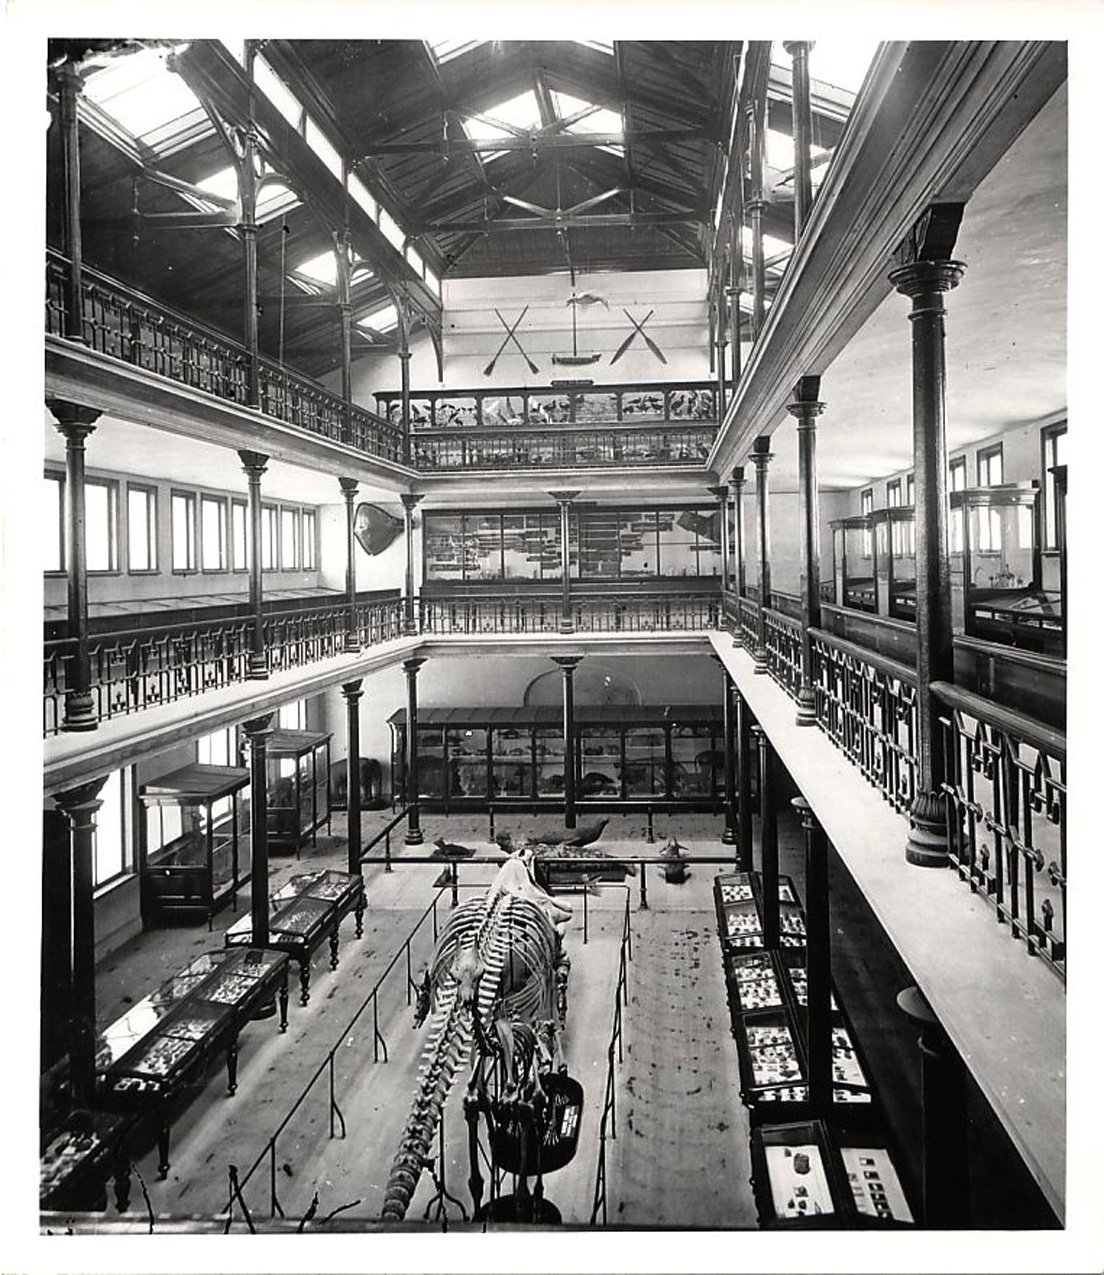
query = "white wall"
{"x": 382, "y": 571}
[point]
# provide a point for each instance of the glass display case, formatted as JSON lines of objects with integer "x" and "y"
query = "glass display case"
{"x": 298, "y": 783}
{"x": 193, "y": 841}
{"x": 621, "y": 753}
{"x": 853, "y": 562}
{"x": 1000, "y": 596}
{"x": 895, "y": 562}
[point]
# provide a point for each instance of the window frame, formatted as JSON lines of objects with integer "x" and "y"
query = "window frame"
{"x": 1048, "y": 438}
{"x": 235, "y": 505}
{"x": 989, "y": 524}
{"x": 125, "y": 778}
{"x": 220, "y": 504}
{"x": 984, "y": 456}
{"x": 152, "y": 528}
{"x": 111, "y": 486}
{"x": 866, "y": 509}
{"x": 191, "y": 502}
{"x": 270, "y": 537}
{"x": 54, "y": 476}
{"x": 293, "y": 512}
{"x": 308, "y": 541}
{"x": 893, "y": 493}
{"x": 956, "y": 526}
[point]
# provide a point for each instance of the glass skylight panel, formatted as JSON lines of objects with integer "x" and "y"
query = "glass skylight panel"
{"x": 277, "y": 92}
{"x": 140, "y": 93}
{"x": 414, "y": 259}
{"x": 322, "y": 269}
{"x": 382, "y": 320}
{"x": 602, "y": 46}
{"x": 433, "y": 282}
{"x": 599, "y": 119}
{"x": 772, "y": 247}
{"x": 273, "y": 198}
{"x": 363, "y": 196}
{"x": 446, "y": 50}
{"x": 843, "y": 63}
{"x": 324, "y": 149}
{"x": 521, "y": 111}
{"x": 780, "y": 150}
{"x": 392, "y": 231}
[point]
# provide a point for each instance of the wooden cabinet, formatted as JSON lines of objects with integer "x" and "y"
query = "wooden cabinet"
{"x": 193, "y": 842}
{"x": 853, "y": 562}
{"x": 469, "y": 757}
{"x": 298, "y": 783}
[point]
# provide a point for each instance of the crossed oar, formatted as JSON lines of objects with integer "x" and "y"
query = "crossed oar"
{"x": 638, "y": 327}
{"x": 511, "y": 337}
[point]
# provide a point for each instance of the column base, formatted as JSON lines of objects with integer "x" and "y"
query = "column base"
{"x": 410, "y": 628}
{"x": 926, "y": 846}
{"x": 413, "y": 837}
{"x": 738, "y": 639}
{"x": 79, "y": 713}
{"x": 567, "y": 626}
{"x": 728, "y": 837}
{"x": 258, "y": 669}
{"x": 762, "y": 660}
{"x": 352, "y": 644}
{"x": 806, "y": 708}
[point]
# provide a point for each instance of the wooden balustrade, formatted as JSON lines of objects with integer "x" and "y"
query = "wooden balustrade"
{"x": 514, "y": 613}
{"x": 784, "y": 650}
{"x": 1005, "y": 784}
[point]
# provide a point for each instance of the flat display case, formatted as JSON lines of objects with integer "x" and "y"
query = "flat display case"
{"x": 895, "y": 562}
{"x": 304, "y": 912}
{"x": 155, "y": 1053}
{"x": 810, "y": 1175}
{"x": 298, "y": 787}
{"x": 738, "y": 897}
{"x": 853, "y": 562}
{"x": 1000, "y": 596}
{"x": 193, "y": 844}
{"x": 76, "y": 1161}
{"x": 468, "y": 757}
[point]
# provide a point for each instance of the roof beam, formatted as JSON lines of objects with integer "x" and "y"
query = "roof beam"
{"x": 577, "y": 221}
{"x": 552, "y": 139}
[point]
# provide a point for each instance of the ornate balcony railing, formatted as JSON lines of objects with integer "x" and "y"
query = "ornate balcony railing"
{"x": 783, "y": 650}
{"x": 518, "y": 407}
{"x": 1006, "y": 816}
{"x": 638, "y": 613}
{"x": 866, "y": 705}
{"x": 749, "y": 621}
{"x": 562, "y": 446}
{"x": 137, "y": 669}
{"x": 120, "y": 322}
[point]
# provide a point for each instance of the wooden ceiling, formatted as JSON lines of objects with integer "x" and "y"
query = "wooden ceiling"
{"x": 554, "y": 200}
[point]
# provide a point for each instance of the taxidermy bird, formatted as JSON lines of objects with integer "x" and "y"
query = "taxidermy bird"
{"x": 586, "y": 834}
{"x": 451, "y": 850}
{"x": 587, "y": 298}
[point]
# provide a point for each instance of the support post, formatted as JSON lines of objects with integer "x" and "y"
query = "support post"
{"x": 768, "y": 838}
{"x": 756, "y": 206}
{"x": 946, "y": 1178}
{"x": 564, "y": 499}
{"x": 352, "y": 632}
{"x": 410, "y": 501}
{"x": 736, "y": 281}
{"x": 721, "y": 492}
{"x": 737, "y": 551}
{"x": 342, "y": 253}
{"x": 729, "y": 836}
{"x": 568, "y": 664}
{"x": 802, "y": 133}
{"x": 722, "y": 342}
{"x": 79, "y": 806}
{"x": 254, "y": 465}
{"x": 818, "y": 962}
{"x": 75, "y": 423}
{"x": 806, "y": 409}
{"x": 68, "y": 81}
{"x": 743, "y": 782}
{"x": 925, "y": 271}
{"x": 352, "y": 692}
{"x": 762, "y": 456}
{"x": 257, "y": 731}
{"x": 413, "y": 822}
{"x": 247, "y": 228}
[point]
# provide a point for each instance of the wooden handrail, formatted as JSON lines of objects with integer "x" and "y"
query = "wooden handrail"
{"x": 1032, "y": 732}
{"x": 890, "y": 667}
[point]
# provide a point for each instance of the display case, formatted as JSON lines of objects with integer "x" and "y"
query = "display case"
{"x": 468, "y": 757}
{"x": 305, "y": 911}
{"x": 193, "y": 841}
{"x": 895, "y": 562}
{"x": 853, "y": 562}
{"x": 738, "y": 898}
{"x": 298, "y": 787}
{"x": 1000, "y": 596}
{"x": 152, "y": 1056}
{"x": 811, "y": 1175}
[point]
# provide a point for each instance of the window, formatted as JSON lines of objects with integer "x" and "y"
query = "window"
{"x": 990, "y": 471}
{"x": 183, "y": 531}
{"x": 289, "y": 539}
{"x": 957, "y": 482}
{"x": 309, "y": 562}
{"x": 141, "y": 528}
{"x": 910, "y": 490}
{"x": 239, "y": 536}
{"x": 292, "y": 716}
{"x": 866, "y": 508}
{"x": 910, "y": 501}
{"x": 324, "y": 149}
{"x": 219, "y": 748}
{"x": 893, "y": 493}
{"x": 212, "y": 527}
{"x": 101, "y": 522}
{"x": 268, "y": 537}
{"x": 53, "y": 524}
{"x": 896, "y": 529}
{"x": 111, "y": 840}
{"x": 1054, "y": 453}
{"x": 382, "y": 320}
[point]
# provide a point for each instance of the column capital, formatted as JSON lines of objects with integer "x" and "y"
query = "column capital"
{"x": 807, "y": 813}
{"x": 410, "y": 499}
{"x": 738, "y": 478}
{"x": 353, "y": 690}
{"x": 720, "y": 491}
{"x": 349, "y": 487}
{"x": 254, "y": 463}
{"x": 567, "y": 662}
{"x": 405, "y": 355}
{"x": 82, "y": 800}
{"x": 74, "y": 420}
{"x": 564, "y": 497}
{"x": 761, "y": 453}
{"x": 921, "y": 278}
{"x": 923, "y": 262}
{"x": 412, "y": 666}
{"x": 259, "y": 727}
{"x": 794, "y": 47}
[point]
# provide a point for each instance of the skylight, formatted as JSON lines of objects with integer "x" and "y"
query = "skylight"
{"x": 780, "y": 150}
{"x": 273, "y": 198}
{"x": 143, "y": 96}
{"x": 772, "y": 247}
{"x": 843, "y": 63}
{"x": 277, "y": 92}
{"x": 521, "y": 111}
{"x": 445, "y": 50}
{"x": 363, "y": 196}
{"x": 602, "y": 46}
{"x": 382, "y": 320}
{"x": 599, "y": 119}
{"x": 320, "y": 269}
